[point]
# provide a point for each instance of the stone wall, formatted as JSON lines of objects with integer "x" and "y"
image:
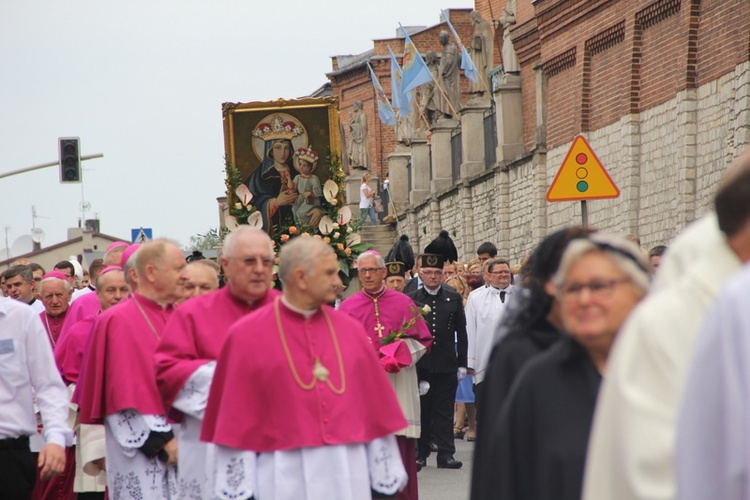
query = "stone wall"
{"x": 667, "y": 161}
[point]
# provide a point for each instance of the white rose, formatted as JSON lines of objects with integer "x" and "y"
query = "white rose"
{"x": 238, "y": 205}
{"x": 336, "y": 235}
{"x": 426, "y": 309}
{"x": 336, "y": 225}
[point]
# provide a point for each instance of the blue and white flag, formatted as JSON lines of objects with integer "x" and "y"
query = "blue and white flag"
{"x": 385, "y": 112}
{"x": 400, "y": 100}
{"x": 470, "y": 70}
{"x": 414, "y": 70}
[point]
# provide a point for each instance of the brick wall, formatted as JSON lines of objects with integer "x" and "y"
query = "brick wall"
{"x": 644, "y": 154}
{"x": 630, "y": 55}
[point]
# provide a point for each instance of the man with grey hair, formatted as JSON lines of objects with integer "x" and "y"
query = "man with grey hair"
{"x": 55, "y": 291}
{"x": 19, "y": 281}
{"x": 632, "y": 446}
{"x": 118, "y": 386}
{"x": 186, "y": 356}
{"x": 312, "y": 363}
{"x": 383, "y": 313}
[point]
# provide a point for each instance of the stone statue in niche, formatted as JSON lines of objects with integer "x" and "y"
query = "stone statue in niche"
{"x": 482, "y": 52}
{"x": 449, "y": 78}
{"x": 359, "y": 141}
{"x": 510, "y": 59}
{"x": 427, "y": 95}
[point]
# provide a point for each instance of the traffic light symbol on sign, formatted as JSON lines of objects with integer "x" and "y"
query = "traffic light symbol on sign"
{"x": 581, "y": 176}
{"x": 70, "y": 159}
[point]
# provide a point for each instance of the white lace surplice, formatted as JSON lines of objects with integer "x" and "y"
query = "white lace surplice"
{"x": 341, "y": 472}
{"x": 130, "y": 473}
{"x": 195, "y": 481}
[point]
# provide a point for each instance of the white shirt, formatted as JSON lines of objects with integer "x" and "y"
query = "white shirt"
{"x": 37, "y": 306}
{"x": 364, "y": 201}
{"x": 28, "y": 371}
{"x": 484, "y": 310}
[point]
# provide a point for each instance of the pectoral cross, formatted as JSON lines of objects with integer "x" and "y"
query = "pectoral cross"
{"x": 379, "y": 328}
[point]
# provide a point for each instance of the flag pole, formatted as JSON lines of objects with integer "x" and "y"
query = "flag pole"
{"x": 419, "y": 108}
{"x": 387, "y": 101}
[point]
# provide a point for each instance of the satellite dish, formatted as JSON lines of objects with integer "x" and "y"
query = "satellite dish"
{"x": 37, "y": 235}
{"x": 23, "y": 244}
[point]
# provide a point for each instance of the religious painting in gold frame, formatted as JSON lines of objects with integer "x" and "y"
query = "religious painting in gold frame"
{"x": 264, "y": 141}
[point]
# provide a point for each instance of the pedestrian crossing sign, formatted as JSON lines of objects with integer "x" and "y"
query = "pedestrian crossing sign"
{"x": 581, "y": 176}
{"x": 141, "y": 235}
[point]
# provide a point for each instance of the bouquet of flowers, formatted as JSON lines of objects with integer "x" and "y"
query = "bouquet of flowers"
{"x": 394, "y": 353}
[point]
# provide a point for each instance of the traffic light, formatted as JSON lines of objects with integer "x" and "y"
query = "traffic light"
{"x": 70, "y": 159}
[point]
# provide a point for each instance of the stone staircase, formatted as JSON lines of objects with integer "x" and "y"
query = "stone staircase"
{"x": 381, "y": 237}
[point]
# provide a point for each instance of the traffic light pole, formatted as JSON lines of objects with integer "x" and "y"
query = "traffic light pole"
{"x": 45, "y": 165}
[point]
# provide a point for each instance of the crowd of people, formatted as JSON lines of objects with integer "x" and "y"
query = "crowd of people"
{"x": 579, "y": 373}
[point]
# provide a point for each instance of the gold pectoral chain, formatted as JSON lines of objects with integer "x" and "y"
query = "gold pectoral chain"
{"x": 148, "y": 321}
{"x": 319, "y": 372}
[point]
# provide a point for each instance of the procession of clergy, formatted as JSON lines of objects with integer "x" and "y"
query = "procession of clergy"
{"x": 160, "y": 384}
{"x": 260, "y": 394}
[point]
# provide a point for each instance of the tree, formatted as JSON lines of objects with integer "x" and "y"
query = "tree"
{"x": 207, "y": 241}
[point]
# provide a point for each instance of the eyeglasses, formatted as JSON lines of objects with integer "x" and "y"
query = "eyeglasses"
{"x": 598, "y": 289}
{"x": 499, "y": 273}
{"x": 430, "y": 273}
{"x": 253, "y": 261}
{"x": 369, "y": 270}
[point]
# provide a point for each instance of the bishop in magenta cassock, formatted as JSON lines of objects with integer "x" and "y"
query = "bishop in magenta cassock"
{"x": 110, "y": 290}
{"x": 186, "y": 356}
{"x": 382, "y": 312}
{"x": 118, "y": 388}
{"x": 55, "y": 293}
{"x": 313, "y": 368}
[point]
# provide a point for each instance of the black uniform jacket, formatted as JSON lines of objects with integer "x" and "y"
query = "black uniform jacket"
{"x": 445, "y": 319}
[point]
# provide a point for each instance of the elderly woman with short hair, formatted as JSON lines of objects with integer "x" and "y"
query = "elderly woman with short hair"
{"x": 546, "y": 419}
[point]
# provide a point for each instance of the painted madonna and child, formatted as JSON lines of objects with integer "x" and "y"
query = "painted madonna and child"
{"x": 277, "y": 148}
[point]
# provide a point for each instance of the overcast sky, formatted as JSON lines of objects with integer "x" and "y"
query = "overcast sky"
{"x": 142, "y": 81}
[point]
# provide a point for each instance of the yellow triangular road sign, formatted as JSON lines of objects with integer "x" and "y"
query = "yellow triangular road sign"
{"x": 581, "y": 176}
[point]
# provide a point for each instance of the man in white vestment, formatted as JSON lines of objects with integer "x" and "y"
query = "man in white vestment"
{"x": 712, "y": 426}
{"x": 484, "y": 310}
